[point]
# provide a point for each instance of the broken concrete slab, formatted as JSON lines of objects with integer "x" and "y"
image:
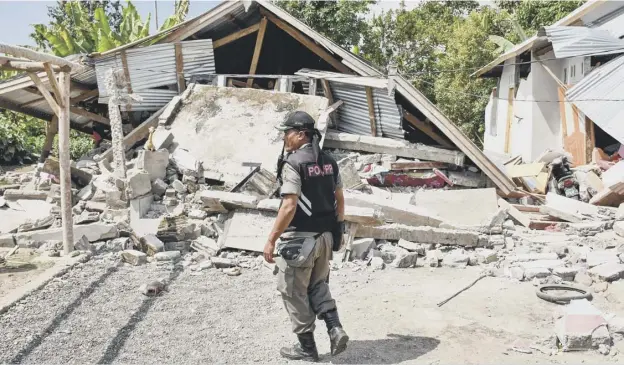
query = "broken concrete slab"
{"x": 570, "y": 205}
{"x": 567, "y": 273}
{"x": 199, "y": 123}
{"x": 533, "y": 256}
{"x": 399, "y": 148}
{"x": 154, "y": 162}
{"x": 221, "y": 201}
{"x": 138, "y": 183}
{"x": 159, "y": 187}
{"x": 580, "y": 320}
{"x": 95, "y": 206}
{"x": 393, "y": 211}
{"x": 185, "y": 162}
{"x": 167, "y": 256}
{"x": 134, "y": 257}
{"x": 178, "y": 186}
{"x": 247, "y": 230}
{"x": 269, "y": 204}
{"x": 366, "y": 216}
{"x": 486, "y": 256}
{"x": 86, "y": 193}
{"x": 607, "y": 272}
{"x": 87, "y": 217}
{"x": 197, "y": 214}
{"x": 93, "y": 231}
{"x": 40, "y": 223}
{"x": 262, "y": 183}
{"x": 152, "y": 244}
{"x": 413, "y": 247}
{"x": 467, "y": 178}
{"x": 561, "y": 214}
{"x": 583, "y": 278}
{"x": 80, "y": 177}
{"x": 140, "y": 206}
{"x": 162, "y": 138}
{"x": 16, "y": 194}
{"x": 349, "y": 174}
{"x": 462, "y": 207}
{"x": 547, "y": 264}
{"x": 536, "y": 272}
{"x": 419, "y": 234}
{"x": 517, "y": 215}
{"x": 83, "y": 244}
{"x": 456, "y": 259}
{"x": 405, "y": 260}
{"x": 222, "y": 263}
{"x": 599, "y": 257}
{"x": 360, "y": 248}
{"x": 206, "y": 245}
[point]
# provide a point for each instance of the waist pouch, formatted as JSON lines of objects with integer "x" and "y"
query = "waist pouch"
{"x": 296, "y": 251}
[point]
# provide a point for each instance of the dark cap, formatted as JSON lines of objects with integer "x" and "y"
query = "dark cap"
{"x": 297, "y": 120}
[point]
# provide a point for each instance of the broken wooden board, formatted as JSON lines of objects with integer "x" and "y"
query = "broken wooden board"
{"x": 458, "y": 207}
{"x": 398, "y": 148}
{"x": 526, "y": 208}
{"x": 249, "y": 136}
{"x": 412, "y": 165}
{"x": 607, "y": 198}
{"x": 520, "y": 217}
{"x": 248, "y": 230}
{"x": 51, "y": 166}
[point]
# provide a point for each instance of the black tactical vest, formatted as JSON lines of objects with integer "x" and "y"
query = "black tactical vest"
{"x": 316, "y": 208}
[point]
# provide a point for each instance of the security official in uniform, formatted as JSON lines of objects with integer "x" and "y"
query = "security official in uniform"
{"x": 309, "y": 227}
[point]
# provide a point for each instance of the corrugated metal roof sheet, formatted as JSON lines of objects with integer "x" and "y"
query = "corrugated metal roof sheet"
{"x": 152, "y": 99}
{"x": 582, "y": 41}
{"x": 155, "y": 66}
{"x": 599, "y": 96}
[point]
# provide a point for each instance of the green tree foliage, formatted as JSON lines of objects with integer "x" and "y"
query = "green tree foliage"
{"x": 533, "y": 14}
{"x": 85, "y": 27}
{"x": 341, "y": 20}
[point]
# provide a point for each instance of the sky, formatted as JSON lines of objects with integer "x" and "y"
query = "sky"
{"x": 17, "y": 16}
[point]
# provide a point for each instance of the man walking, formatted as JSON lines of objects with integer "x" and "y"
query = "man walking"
{"x": 309, "y": 225}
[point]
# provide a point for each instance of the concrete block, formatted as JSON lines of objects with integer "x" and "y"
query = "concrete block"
{"x": 269, "y": 204}
{"x": 584, "y": 279}
{"x": 152, "y": 243}
{"x": 159, "y": 187}
{"x": 360, "y": 248}
{"x": 167, "y": 256}
{"x": 154, "y": 162}
{"x": 87, "y": 217}
{"x": 486, "y": 256}
{"x": 222, "y": 263}
{"x": 138, "y": 183}
{"x": 533, "y": 256}
{"x": 515, "y": 272}
{"x": 618, "y": 227}
{"x": 599, "y": 257}
{"x": 456, "y": 259}
{"x": 162, "y": 138}
{"x": 433, "y": 258}
{"x": 405, "y": 260}
{"x": 349, "y": 174}
{"x": 140, "y": 206}
{"x": 413, "y": 247}
{"x": 420, "y": 234}
{"x": 134, "y": 257}
{"x": 377, "y": 263}
{"x": 536, "y": 272}
{"x": 517, "y": 215}
{"x": 178, "y": 246}
{"x": 37, "y": 224}
{"x": 217, "y": 201}
{"x": 197, "y": 214}
{"x": 179, "y": 186}
{"x": 579, "y": 322}
{"x": 118, "y": 244}
{"x": 15, "y": 194}
{"x": 566, "y": 273}
{"x": 87, "y": 192}
{"x": 206, "y": 245}
{"x": 607, "y": 272}
{"x": 83, "y": 244}
{"x": 95, "y": 206}
{"x": 185, "y": 162}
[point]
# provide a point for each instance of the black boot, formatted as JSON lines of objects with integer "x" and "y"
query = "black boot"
{"x": 338, "y": 338}
{"x": 304, "y": 350}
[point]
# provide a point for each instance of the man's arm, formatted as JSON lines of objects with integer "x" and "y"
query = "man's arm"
{"x": 340, "y": 204}
{"x": 284, "y": 217}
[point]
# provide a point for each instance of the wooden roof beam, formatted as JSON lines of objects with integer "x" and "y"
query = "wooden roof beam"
{"x": 235, "y": 36}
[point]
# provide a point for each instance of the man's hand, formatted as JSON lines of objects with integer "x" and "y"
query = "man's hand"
{"x": 269, "y": 247}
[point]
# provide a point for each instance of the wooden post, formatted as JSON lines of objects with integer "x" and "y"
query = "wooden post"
{"x": 510, "y": 100}
{"x": 52, "y": 80}
{"x": 312, "y": 87}
{"x": 65, "y": 168}
{"x": 371, "y": 110}
{"x": 257, "y": 50}
{"x": 179, "y": 59}
{"x": 51, "y": 131}
{"x": 330, "y": 96}
{"x": 114, "y": 85}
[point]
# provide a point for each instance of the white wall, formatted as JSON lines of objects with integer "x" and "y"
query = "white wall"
{"x": 496, "y": 111}
{"x": 546, "y": 122}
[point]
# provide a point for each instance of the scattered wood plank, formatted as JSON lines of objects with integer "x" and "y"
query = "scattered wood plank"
{"x": 406, "y": 166}
{"x": 390, "y": 146}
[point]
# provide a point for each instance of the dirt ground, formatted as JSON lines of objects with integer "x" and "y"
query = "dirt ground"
{"x": 96, "y": 314}
{"x": 20, "y": 268}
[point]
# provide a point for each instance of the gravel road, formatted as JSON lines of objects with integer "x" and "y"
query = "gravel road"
{"x": 96, "y": 314}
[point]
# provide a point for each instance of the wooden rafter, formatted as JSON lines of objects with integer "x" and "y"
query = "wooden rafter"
{"x": 235, "y": 36}
{"x": 85, "y": 96}
{"x": 179, "y": 62}
{"x": 371, "y": 110}
{"x": 95, "y": 117}
{"x": 257, "y": 50}
{"x": 318, "y": 50}
{"x": 53, "y": 83}
{"x": 426, "y": 129}
{"x": 45, "y": 93}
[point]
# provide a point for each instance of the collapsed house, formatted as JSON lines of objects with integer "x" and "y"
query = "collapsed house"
{"x": 559, "y": 91}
